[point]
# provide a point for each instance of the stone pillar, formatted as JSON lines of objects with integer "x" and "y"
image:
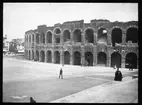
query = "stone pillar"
{"x": 53, "y": 61}
{"x": 83, "y": 38}
{"x": 95, "y": 38}
{"x": 35, "y": 55}
{"x": 109, "y": 41}
{"x": 61, "y": 57}
{"x": 82, "y": 56}
{"x": 109, "y": 58}
{"x": 71, "y": 56}
{"x": 123, "y": 37}
{"x": 122, "y": 61}
{"x": 39, "y": 56}
{"x": 95, "y": 55}
{"x": 45, "y": 56}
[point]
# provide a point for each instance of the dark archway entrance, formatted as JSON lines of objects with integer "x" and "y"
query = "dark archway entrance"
{"x": 77, "y": 35}
{"x": 32, "y": 38}
{"x": 66, "y": 35}
{"x": 116, "y": 36}
{"x": 37, "y": 56}
{"x": 102, "y": 35}
{"x": 131, "y": 58}
{"x": 32, "y": 54}
{"x": 116, "y": 59}
{"x": 89, "y": 36}
{"x": 29, "y": 54}
{"x": 57, "y": 40}
{"x": 89, "y": 58}
{"x": 49, "y": 56}
{"x": 49, "y": 37}
{"x": 42, "y": 55}
{"x": 132, "y": 35}
{"x": 66, "y": 57}
{"x": 57, "y": 57}
{"x": 77, "y": 58}
{"x": 101, "y": 58}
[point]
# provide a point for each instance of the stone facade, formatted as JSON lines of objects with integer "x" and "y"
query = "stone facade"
{"x": 98, "y": 43}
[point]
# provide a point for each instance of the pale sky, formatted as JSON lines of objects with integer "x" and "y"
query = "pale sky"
{"x": 21, "y": 17}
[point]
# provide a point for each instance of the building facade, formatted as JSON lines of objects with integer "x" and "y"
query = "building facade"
{"x": 98, "y": 43}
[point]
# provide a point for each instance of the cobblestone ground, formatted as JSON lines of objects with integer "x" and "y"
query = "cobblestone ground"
{"x": 23, "y": 78}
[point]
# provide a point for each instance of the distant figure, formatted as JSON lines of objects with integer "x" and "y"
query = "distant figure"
{"x": 131, "y": 66}
{"x": 114, "y": 67}
{"x": 32, "y": 100}
{"x": 61, "y": 74}
{"x": 118, "y": 75}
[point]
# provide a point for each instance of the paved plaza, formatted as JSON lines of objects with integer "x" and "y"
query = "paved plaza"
{"x": 23, "y": 79}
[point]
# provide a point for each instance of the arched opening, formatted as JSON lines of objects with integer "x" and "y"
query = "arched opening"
{"x": 66, "y": 35}
{"x": 57, "y": 40}
{"x": 42, "y": 55}
{"x": 57, "y": 31}
{"x": 131, "y": 58}
{"x": 49, "y": 57}
{"x": 29, "y": 55}
{"x": 89, "y": 36}
{"x": 116, "y": 36}
{"x": 57, "y": 57}
{"x": 33, "y": 38}
{"x": 49, "y": 37}
{"x": 77, "y": 35}
{"x": 102, "y": 35}
{"x": 89, "y": 58}
{"x": 116, "y": 59}
{"x": 77, "y": 58}
{"x": 32, "y": 54}
{"x": 37, "y": 38}
{"x": 42, "y": 38}
{"x": 132, "y": 35}
{"x": 66, "y": 57}
{"x": 101, "y": 58}
{"x": 37, "y": 56}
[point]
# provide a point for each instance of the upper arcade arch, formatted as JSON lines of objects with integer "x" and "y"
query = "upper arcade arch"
{"x": 102, "y": 35}
{"x": 66, "y": 35}
{"x": 89, "y": 35}
{"x": 77, "y": 35}
{"x": 132, "y": 34}
{"x": 116, "y": 35}
{"x": 57, "y": 30}
{"x": 49, "y": 37}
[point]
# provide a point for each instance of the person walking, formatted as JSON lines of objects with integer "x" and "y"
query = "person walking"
{"x": 118, "y": 75}
{"x": 32, "y": 100}
{"x": 61, "y": 74}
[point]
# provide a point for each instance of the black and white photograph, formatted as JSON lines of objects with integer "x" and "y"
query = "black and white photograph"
{"x": 70, "y": 52}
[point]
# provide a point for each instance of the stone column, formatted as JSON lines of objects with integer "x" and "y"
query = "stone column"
{"x": 82, "y": 56}
{"x": 61, "y": 57}
{"x": 71, "y": 56}
{"x": 39, "y": 56}
{"x": 95, "y": 55}
{"x": 83, "y": 38}
{"x": 109, "y": 41}
{"x": 95, "y": 38}
{"x": 122, "y": 61}
{"x": 53, "y": 61}
{"x": 123, "y": 37}
{"x": 109, "y": 58}
{"x": 45, "y": 56}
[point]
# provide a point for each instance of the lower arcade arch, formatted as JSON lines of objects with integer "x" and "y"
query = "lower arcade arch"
{"x": 42, "y": 55}
{"x": 29, "y": 54}
{"x": 66, "y": 57}
{"x": 32, "y": 54}
{"x": 88, "y": 59}
{"x": 116, "y": 59}
{"x": 49, "y": 57}
{"x": 77, "y": 58}
{"x": 101, "y": 59}
{"x": 131, "y": 58}
{"x": 57, "y": 57}
{"x": 37, "y": 56}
